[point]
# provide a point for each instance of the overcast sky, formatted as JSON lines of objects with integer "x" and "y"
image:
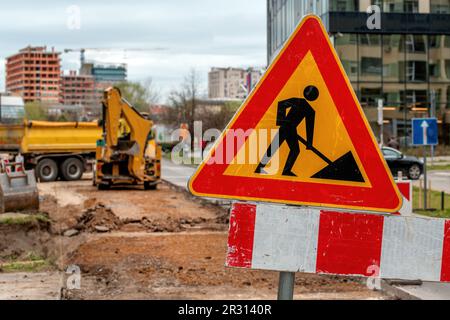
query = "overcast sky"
{"x": 172, "y": 36}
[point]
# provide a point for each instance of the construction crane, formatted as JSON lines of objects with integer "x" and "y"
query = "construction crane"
{"x": 82, "y": 51}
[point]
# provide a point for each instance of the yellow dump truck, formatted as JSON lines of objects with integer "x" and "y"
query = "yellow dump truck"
{"x": 53, "y": 149}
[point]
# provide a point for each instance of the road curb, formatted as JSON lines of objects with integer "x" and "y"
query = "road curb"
{"x": 205, "y": 201}
{"x": 396, "y": 291}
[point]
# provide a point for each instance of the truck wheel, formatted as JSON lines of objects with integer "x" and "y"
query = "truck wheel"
{"x": 47, "y": 170}
{"x": 72, "y": 169}
{"x": 103, "y": 186}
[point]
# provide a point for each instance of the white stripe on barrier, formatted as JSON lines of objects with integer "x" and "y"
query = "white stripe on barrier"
{"x": 412, "y": 248}
{"x": 286, "y": 241}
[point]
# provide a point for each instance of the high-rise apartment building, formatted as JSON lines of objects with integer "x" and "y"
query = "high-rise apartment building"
{"x": 34, "y": 73}
{"x": 406, "y": 62}
{"x": 232, "y": 83}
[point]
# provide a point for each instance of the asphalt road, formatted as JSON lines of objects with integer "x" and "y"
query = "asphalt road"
{"x": 176, "y": 174}
{"x": 428, "y": 291}
{"x": 440, "y": 180}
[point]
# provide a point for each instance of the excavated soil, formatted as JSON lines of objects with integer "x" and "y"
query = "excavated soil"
{"x": 184, "y": 265}
{"x": 98, "y": 219}
{"x": 128, "y": 210}
{"x": 19, "y": 241}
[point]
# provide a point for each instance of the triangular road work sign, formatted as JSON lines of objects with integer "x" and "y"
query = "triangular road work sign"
{"x": 301, "y": 137}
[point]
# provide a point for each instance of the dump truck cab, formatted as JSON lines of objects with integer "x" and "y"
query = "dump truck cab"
{"x": 127, "y": 154}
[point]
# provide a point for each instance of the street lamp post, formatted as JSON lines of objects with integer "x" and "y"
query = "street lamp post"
{"x": 381, "y": 120}
{"x": 432, "y": 115}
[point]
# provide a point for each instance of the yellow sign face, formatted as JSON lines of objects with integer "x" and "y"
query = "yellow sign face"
{"x": 330, "y": 135}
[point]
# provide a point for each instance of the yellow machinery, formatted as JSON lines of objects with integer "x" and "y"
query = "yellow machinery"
{"x": 54, "y": 149}
{"x": 55, "y": 137}
{"x": 128, "y": 153}
{"x": 18, "y": 191}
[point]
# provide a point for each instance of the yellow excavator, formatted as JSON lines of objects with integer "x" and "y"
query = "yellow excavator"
{"x": 128, "y": 153}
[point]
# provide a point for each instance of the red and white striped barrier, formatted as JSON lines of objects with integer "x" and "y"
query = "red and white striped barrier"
{"x": 406, "y": 189}
{"x": 19, "y": 167}
{"x": 18, "y": 164}
{"x": 282, "y": 238}
{"x": 5, "y": 166}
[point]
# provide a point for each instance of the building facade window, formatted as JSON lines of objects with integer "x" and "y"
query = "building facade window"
{"x": 401, "y": 6}
{"x": 12, "y": 114}
{"x": 345, "y": 45}
{"x": 344, "y": 5}
{"x": 400, "y": 69}
{"x": 370, "y": 58}
{"x": 408, "y": 69}
{"x": 440, "y": 6}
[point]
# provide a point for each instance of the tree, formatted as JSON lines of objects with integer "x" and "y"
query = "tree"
{"x": 36, "y": 110}
{"x": 141, "y": 95}
{"x": 184, "y": 103}
{"x": 213, "y": 119}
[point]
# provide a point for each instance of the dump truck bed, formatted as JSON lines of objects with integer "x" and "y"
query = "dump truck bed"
{"x": 50, "y": 137}
{"x": 11, "y": 137}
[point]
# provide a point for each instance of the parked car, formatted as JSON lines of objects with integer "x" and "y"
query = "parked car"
{"x": 411, "y": 167}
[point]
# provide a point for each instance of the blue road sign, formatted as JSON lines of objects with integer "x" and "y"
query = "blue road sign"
{"x": 425, "y": 132}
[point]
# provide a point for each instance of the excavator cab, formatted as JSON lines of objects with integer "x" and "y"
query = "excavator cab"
{"x": 127, "y": 154}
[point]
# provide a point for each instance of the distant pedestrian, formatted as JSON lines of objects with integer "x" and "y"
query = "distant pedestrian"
{"x": 393, "y": 143}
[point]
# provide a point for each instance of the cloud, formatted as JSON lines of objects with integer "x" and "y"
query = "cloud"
{"x": 194, "y": 34}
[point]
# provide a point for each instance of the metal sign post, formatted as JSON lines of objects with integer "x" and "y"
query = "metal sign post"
{"x": 286, "y": 286}
{"x": 425, "y": 189}
{"x": 381, "y": 120}
{"x": 432, "y": 115}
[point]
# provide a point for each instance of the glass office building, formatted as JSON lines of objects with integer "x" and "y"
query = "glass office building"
{"x": 406, "y": 62}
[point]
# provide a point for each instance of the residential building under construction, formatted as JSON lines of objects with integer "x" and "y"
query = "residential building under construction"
{"x": 78, "y": 90}
{"x": 34, "y": 73}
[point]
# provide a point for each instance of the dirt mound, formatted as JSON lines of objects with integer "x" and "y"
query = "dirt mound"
{"x": 98, "y": 219}
{"x": 170, "y": 224}
{"x": 89, "y": 203}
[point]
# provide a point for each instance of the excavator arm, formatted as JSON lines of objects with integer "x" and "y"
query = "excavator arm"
{"x": 117, "y": 109}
